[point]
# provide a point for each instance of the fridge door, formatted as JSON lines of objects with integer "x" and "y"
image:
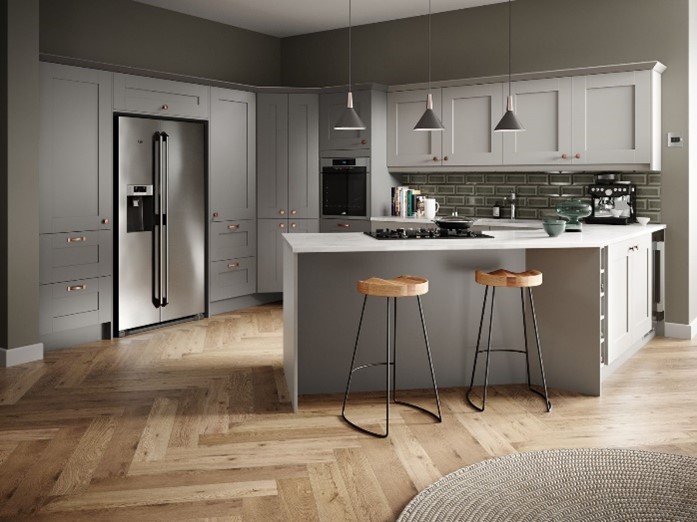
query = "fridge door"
{"x": 185, "y": 231}
{"x": 161, "y": 265}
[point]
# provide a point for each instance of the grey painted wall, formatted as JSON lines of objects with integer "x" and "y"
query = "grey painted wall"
{"x": 19, "y": 176}
{"x": 124, "y": 32}
{"x": 547, "y": 34}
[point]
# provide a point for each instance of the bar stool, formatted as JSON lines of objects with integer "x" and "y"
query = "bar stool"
{"x": 522, "y": 280}
{"x": 402, "y": 286}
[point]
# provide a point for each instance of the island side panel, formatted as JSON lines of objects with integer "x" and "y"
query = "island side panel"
{"x": 290, "y": 325}
{"x": 328, "y": 308}
{"x": 568, "y": 309}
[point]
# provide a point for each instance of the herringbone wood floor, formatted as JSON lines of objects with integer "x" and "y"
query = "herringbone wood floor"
{"x": 193, "y": 422}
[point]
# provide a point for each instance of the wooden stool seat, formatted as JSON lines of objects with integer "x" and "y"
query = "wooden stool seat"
{"x": 505, "y": 278}
{"x": 402, "y": 286}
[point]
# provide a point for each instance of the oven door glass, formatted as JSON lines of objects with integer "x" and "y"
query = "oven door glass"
{"x": 344, "y": 191}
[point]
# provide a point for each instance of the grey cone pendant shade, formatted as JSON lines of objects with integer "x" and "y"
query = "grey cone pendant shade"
{"x": 349, "y": 120}
{"x": 509, "y": 122}
{"x": 429, "y": 121}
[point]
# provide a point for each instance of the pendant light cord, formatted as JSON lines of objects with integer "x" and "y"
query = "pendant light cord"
{"x": 510, "y": 47}
{"x": 429, "y": 46}
{"x": 349, "y": 43}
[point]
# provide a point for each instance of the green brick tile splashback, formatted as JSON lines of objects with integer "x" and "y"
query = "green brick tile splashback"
{"x": 537, "y": 194}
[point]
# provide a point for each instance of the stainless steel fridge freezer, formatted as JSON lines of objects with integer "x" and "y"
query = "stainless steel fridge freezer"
{"x": 161, "y": 221}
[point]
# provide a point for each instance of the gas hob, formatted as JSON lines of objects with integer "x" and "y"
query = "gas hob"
{"x": 425, "y": 233}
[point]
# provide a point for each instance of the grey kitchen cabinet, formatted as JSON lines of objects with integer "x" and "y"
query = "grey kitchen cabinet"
{"x": 143, "y": 95}
{"x": 331, "y": 107}
{"x": 75, "y": 149}
{"x": 629, "y": 294}
{"x": 75, "y": 255}
{"x": 233, "y": 239}
{"x": 344, "y": 225}
{"x": 288, "y": 156}
{"x": 270, "y": 249}
{"x": 233, "y": 278}
{"x": 232, "y": 155}
{"x": 74, "y": 304}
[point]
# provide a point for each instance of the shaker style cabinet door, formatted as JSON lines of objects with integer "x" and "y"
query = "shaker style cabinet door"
{"x": 544, "y": 109}
{"x": 75, "y": 149}
{"x": 470, "y": 114}
{"x": 233, "y": 155}
{"x": 613, "y": 118}
{"x": 405, "y": 146}
{"x": 303, "y": 156}
{"x": 270, "y": 254}
{"x": 272, "y": 154}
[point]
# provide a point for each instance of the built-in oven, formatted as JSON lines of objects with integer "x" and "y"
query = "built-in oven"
{"x": 345, "y": 187}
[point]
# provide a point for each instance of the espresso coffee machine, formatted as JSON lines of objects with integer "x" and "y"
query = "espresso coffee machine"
{"x": 613, "y": 202}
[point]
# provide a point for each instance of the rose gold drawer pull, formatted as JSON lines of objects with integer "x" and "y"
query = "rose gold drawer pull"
{"x": 343, "y": 225}
{"x": 233, "y": 265}
{"x": 76, "y": 288}
{"x": 77, "y": 239}
{"x": 233, "y": 227}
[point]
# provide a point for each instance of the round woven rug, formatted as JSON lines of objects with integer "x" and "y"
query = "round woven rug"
{"x": 598, "y": 485}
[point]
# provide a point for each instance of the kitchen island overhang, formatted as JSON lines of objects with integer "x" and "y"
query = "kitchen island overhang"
{"x": 321, "y": 307}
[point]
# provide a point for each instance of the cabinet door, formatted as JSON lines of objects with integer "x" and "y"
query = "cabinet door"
{"x": 641, "y": 291}
{"x": 303, "y": 156}
{"x": 612, "y": 118}
{"x": 233, "y": 278}
{"x": 233, "y": 239}
{"x": 470, "y": 114}
{"x": 138, "y": 94}
{"x": 74, "y": 304}
{"x": 405, "y": 146}
{"x": 618, "y": 300}
{"x": 344, "y": 225}
{"x": 331, "y": 107}
{"x": 82, "y": 255}
{"x": 75, "y": 149}
{"x": 233, "y": 155}
{"x": 303, "y": 226}
{"x": 270, "y": 254}
{"x": 544, "y": 109}
{"x": 272, "y": 147}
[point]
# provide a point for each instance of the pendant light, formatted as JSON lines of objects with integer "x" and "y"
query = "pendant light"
{"x": 349, "y": 119}
{"x": 509, "y": 122}
{"x": 429, "y": 121}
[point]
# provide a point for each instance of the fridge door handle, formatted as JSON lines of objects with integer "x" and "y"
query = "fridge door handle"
{"x": 160, "y": 219}
{"x": 165, "y": 178}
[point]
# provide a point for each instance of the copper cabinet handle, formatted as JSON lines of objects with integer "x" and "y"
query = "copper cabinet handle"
{"x": 105, "y": 221}
{"x": 282, "y": 212}
{"x": 233, "y": 227}
{"x": 577, "y": 155}
{"x": 564, "y": 156}
{"x": 343, "y": 225}
{"x": 76, "y": 288}
{"x": 293, "y": 212}
{"x": 215, "y": 215}
{"x": 363, "y": 142}
{"x": 233, "y": 265}
{"x": 445, "y": 158}
{"x": 435, "y": 158}
{"x": 77, "y": 239}
{"x": 165, "y": 107}
{"x": 282, "y": 225}
{"x": 293, "y": 225}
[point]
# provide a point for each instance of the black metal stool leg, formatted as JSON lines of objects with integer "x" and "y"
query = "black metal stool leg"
{"x": 525, "y": 337}
{"x": 488, "y": 351}
{"x": 354, "y": 368}
{"x": 548, "y": 403}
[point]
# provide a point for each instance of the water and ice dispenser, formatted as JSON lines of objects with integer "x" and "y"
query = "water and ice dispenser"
{"x": 141, "y": 208}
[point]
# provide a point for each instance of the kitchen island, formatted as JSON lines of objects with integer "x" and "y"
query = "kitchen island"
{"x": 597, "y": 283}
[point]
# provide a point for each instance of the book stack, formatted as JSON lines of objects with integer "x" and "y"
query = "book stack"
{"x": 405, "y": 202}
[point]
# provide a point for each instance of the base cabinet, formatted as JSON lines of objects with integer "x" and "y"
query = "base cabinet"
{"x": 270, "y": 249}
{"x": 629, "y": 294}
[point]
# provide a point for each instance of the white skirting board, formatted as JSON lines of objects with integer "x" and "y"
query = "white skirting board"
{"x": 681, "y": 331}
{"x": 21, "y": 355}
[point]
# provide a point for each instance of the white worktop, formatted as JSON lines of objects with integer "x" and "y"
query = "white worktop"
{"x": 413, "y": 222}
{"x": 592, "y": 236}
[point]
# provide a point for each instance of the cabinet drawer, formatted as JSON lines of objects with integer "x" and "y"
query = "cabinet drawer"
{"x": 233, "y": 239}
{"x": 233, "y": 278}
{"x": 74, "y": 304}
{"x": 77, "y": 255}
{"x": 344, "y": 225}
{"x": 161, "y": 97}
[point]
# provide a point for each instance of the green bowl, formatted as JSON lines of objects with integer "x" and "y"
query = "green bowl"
{"x": 554, "y": 227}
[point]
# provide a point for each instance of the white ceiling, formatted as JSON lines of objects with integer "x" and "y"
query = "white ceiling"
{"x": 292, "y": 17}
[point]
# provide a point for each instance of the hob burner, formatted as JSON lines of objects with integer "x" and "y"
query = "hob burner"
{"x": 425, "y": 233}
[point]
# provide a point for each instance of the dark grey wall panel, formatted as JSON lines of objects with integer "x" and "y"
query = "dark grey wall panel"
{"x": 124, "y": 32}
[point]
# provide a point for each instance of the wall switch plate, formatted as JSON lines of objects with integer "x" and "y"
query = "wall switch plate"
{"x": 675, "y": 140}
